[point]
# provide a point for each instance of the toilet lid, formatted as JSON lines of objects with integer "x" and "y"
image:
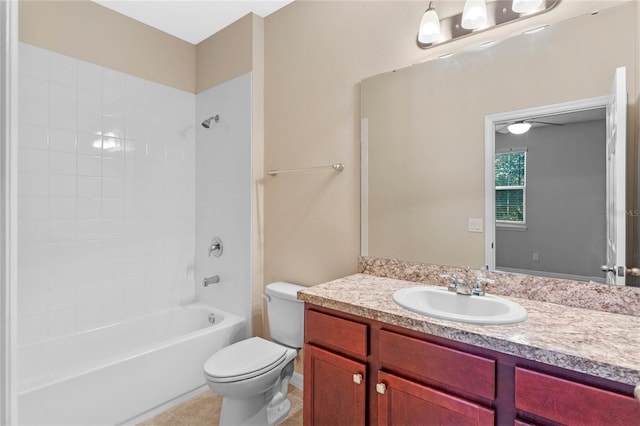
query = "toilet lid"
{"x": 245, "y": 359}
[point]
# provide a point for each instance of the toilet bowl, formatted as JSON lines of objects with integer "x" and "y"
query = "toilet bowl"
{"x": 253, "y": 375}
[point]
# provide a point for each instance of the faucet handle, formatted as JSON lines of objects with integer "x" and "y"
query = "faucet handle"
{"x": 215, "y": 247}
{"x": 453, "y": 284}
{"x": 478, "y": 286}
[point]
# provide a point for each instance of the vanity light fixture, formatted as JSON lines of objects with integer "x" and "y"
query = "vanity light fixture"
{"x": 429, "y": 30}
{"x": 474, "y": 15}
{"x": 477, "y": 16}
{"x": 519, "y": 127}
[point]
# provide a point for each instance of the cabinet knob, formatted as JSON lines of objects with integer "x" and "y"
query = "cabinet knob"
{"x": 381, "y": 388}
{"x": 636, "y": 392}
{"x": 357, "y": 378}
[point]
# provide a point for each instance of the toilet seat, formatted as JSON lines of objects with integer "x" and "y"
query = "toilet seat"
{"x": 244, "y": 360}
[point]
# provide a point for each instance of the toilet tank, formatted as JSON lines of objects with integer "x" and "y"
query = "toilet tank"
{"x": 285, "y": 313}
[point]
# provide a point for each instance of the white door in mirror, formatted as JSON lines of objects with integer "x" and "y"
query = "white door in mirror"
{"x": 616, "y": 178}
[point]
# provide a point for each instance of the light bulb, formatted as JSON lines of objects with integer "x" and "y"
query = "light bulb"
{"x": 474, "y": 15}
{"x": 519, "y": 127}
{"x": 525, "y": 6}
{"x": 429, "y": 30}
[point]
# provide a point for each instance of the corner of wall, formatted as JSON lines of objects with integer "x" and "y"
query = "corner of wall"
{"x": 257, "y": 166}
{"x": 225, "y": 55}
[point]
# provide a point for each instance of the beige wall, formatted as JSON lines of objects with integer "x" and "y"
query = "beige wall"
{"x": 257, "y": 165}
{"x": 87, "y": 31}
{"x": 316, "y": 54}
{"x": 225, "y": 55}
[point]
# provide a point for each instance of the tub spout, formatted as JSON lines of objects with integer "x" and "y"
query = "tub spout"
{"x": 207, "y": 281}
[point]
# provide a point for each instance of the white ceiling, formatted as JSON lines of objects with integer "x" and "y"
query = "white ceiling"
{"x": 191, "y": 20}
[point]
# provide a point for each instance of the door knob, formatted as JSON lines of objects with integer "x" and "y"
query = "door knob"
{"x": 634, "y": 272}
{"x": 607, "y": 268}
{"x": 357, "y": 379}
{"x": 381, "y": 388}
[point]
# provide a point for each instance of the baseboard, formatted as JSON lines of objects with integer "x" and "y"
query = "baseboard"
{"x": 297, "y": 380}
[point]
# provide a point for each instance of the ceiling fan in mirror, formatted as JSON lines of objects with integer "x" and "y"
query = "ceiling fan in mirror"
{"x": 522, "y": 126}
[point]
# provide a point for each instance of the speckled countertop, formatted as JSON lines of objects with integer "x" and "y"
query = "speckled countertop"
{"x": 601, "y": 344}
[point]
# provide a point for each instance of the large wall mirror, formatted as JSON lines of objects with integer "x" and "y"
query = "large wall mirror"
{"x": 423, "y": 138}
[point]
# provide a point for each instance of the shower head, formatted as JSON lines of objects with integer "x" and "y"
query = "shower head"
{"x": 207, "y": 123}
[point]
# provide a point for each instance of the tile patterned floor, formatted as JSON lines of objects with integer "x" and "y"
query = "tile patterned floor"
{"x": 204, "y": 410}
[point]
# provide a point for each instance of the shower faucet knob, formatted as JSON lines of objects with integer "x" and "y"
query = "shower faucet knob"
{"x": 216, "y": 247}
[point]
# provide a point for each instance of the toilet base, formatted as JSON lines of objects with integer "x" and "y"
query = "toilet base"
{"x": 277, "y": 413}
{"x": 252, "y": 412}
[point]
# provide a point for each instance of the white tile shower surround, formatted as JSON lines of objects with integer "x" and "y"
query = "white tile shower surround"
{"x": 223, "y": 182}
{"x": 106, "y": 195}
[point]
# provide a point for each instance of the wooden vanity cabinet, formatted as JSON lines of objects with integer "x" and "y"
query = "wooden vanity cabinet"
{"x": 356, "y": 373}
{"x": 363, "y": 372}
{"x": 335, "y": 370}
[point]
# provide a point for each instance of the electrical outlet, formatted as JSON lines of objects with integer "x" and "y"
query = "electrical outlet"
{"x": 475, "y": 225}
{"x": 536, "y": 256}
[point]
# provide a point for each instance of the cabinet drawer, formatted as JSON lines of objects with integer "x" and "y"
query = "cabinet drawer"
{"x": 431, "y": 362}
{"x": 341, "y": 335}
{"x": 572, "y": 403}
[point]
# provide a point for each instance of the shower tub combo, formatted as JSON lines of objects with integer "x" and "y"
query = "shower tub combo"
{"x": 114, "y": 374}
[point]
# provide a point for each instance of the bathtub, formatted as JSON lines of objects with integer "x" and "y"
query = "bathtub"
{"x": 113, "y": 374}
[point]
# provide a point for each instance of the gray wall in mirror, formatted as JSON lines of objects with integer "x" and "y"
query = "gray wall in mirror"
{"x": 423, "y": 131}
{"x": 565, "y": 203}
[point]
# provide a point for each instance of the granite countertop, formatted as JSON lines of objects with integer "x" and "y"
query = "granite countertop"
{"x": 601, "y": 344}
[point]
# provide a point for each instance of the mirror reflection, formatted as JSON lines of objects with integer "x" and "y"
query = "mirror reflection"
{"x": 423, "y": 142}
{"x": 550, "y": 187}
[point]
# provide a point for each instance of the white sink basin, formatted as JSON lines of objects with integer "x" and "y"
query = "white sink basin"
{"x": 440, "y": 303}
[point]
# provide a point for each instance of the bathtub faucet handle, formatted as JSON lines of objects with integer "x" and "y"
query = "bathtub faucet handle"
{"x": 207, "y": 281}
{"x": 215, "y": 248}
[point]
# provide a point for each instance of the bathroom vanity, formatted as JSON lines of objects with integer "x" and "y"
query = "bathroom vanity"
{"x": 369, "y": 361}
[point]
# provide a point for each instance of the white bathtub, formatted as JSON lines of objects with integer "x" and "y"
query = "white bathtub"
{"x": 112, "y": 374}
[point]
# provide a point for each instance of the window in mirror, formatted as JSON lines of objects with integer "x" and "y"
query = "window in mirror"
{"x": 511, "y": 185}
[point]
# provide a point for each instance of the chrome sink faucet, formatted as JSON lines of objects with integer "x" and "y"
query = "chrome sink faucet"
{"x": 458, "y": 285}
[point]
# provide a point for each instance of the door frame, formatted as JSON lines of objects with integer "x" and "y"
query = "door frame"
{"x": 8, "y": 209}
{"x": 490, "y": 121}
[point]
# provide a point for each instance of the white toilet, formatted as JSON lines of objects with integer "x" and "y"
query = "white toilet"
{"x": 253, "y": 375}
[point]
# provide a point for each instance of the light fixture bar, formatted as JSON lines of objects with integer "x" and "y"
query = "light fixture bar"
{"x": 499, "y": 13}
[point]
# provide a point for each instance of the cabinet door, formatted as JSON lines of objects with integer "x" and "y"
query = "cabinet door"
{"x": 335, "y": 389}
{"x": 403, "y": 402}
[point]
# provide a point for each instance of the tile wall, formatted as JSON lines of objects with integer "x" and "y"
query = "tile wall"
{"x": 106, "y": 195}
{"x": 223, "y": 203}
